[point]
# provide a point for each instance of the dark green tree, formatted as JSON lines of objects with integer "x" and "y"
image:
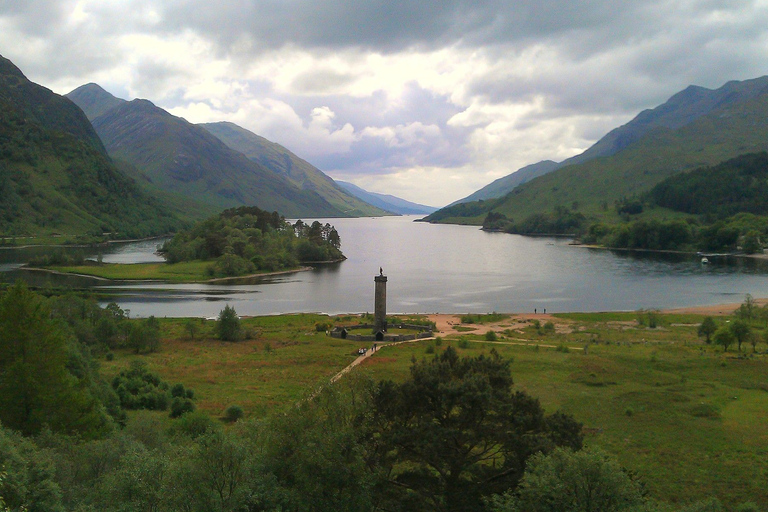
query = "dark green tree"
{"x": 228, "y": 326}
{"x": 455, "y": 432}
{"x": 724, "y": 336}
{"x": 707, "y": 328}
{"x": 36, "y": 385}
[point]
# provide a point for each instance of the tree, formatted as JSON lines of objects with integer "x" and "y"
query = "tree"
{"x": 724, "y": 336}
{"x": 741, "y": 331}
{"x": 751, "y": 243}
{"x": 707, "y": 328}
{"x": 455, "y": 432}
{"x": 192, "y": 328}
{"x": 36, "y": 385}
{"x": 747, "y": 309}
{"x": 228, "y": 326}
{"x": 568, "y": 481}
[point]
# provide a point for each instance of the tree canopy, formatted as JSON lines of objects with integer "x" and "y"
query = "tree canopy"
{"x": 455, "y": 432}
{"x": 247, "y": 239}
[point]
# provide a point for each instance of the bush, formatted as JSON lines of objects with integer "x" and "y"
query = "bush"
{"x": 194, "y": 424}
{"x": 233, "y": 413}
{"x": 430, "y": 349}
{"x": 490, "y": 336}
{"x": 181, "y": 406}
{"x": 178, "y": 391}
{"x": 463, "y": 343}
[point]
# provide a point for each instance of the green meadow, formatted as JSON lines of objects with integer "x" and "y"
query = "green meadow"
{"x": 688, "y": 418}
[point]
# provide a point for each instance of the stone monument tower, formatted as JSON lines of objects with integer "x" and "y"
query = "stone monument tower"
{"x": 380, "y": 302}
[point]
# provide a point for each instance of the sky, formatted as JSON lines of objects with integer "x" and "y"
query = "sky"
{"x": 426, "y": 100}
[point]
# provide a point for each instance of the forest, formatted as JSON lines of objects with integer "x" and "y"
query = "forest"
{"x": 245, "y": 240}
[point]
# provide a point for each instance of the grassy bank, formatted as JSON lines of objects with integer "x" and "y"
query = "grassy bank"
{"x": 183, "y": 272}
{"x": 687, "y": 417}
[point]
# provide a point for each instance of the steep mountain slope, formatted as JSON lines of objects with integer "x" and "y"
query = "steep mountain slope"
{"x": 387, "y": 202}
{"x": 281, "y": 161}
{"x": 697, "y": 127}
{"x": 180, "y": 157}
{"x": 680, "y": 110}
{"x": 55, "y": 175}
{"x": 94, "y": 100}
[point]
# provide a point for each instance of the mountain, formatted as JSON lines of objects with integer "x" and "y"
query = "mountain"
{"x": 183, "y": 158}
{"x": 503, "y": 186}
{"x": 697, "y": 127}
{"x": 94, "y": 100}
{"x": 387, "y": 202}
{"x": 281, "y": 161}
{"x": 55, "y": 174}
{"x": 680, "y": 110}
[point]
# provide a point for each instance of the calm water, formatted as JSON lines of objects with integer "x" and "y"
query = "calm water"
{"x": 442, "y": 268}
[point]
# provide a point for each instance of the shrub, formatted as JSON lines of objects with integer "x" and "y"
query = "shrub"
{"x": 490, "y": 336}
{"x": 549, "y": 327}
{"x": 430, "y": 349}
{"x": 178, "y": 391}
{"x": 194, "y": 424}
{"x": 463, "y": 343}
{"x": 233, "y": 413}
{"x": 181, "y": 406}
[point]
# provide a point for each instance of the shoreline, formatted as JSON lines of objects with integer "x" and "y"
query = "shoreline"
{"x": 152, "y": 280}
{"x": 83, "y": 246}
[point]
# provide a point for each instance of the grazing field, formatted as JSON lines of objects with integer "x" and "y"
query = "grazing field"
{"x": 688, "y": 418}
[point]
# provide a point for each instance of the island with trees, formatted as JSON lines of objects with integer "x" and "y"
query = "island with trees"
{"x": 237, "y": 242}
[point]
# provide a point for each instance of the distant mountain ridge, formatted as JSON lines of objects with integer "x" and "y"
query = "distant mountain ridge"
{"x": 220, "y": 164}
{"x": 694, "y": 128}
{"x": 178, "y": 156}
{"x": 680, "y": 110}
{"x": 298, "y": 171}
{"x": 388, "y": 202}
{"x": 55, "y": 174}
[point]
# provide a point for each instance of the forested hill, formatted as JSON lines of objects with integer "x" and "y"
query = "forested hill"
{"x": 735, "y": 126}
{"x": 55, "y": 175}
{"x": 739, "y": 185}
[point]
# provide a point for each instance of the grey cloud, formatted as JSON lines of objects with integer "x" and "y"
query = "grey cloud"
{"x": 320, "y": 81}
{"x": 394, "y": 25}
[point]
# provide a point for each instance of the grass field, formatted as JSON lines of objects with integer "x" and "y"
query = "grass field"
{"x": 688, "y": 418}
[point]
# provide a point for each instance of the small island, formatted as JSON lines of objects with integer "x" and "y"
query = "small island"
{"x": 244, "y": 241}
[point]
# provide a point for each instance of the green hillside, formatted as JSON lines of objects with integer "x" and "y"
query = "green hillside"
{"x": 283, "y": 162}
{"x": 593, "y": 187}
{"x": 184, "y": 158}
{"x": 55, "y": 176}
